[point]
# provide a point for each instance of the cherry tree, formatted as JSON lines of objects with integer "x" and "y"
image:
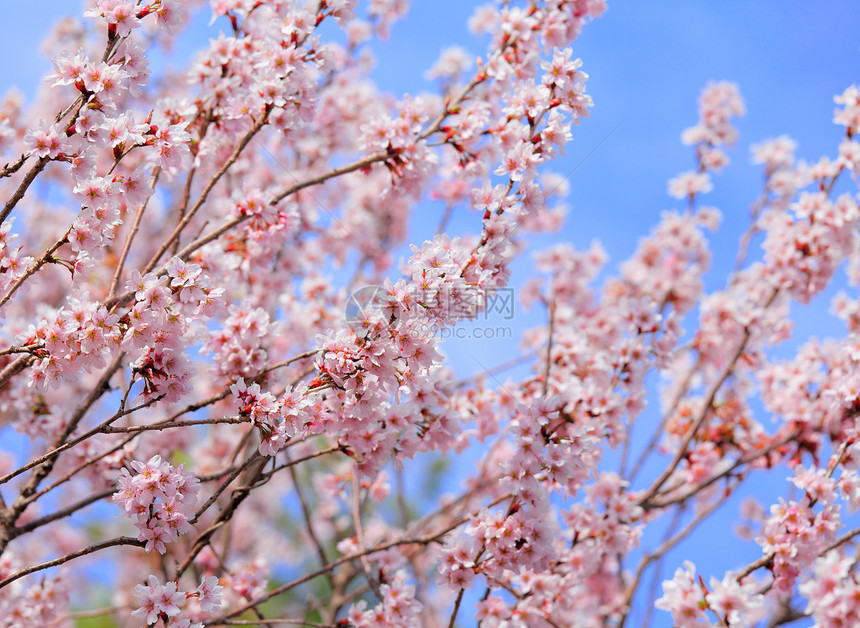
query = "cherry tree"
{"x": 220, "y": 386}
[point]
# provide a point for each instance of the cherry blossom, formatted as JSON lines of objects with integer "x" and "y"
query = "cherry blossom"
{"x": 225, "y": 338}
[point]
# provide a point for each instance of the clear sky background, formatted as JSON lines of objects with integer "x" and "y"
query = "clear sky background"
{"x": 648, "y": 62}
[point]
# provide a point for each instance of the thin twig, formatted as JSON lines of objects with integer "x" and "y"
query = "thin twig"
{"x": 32, "y": 173}
{"x": 359, "y": 533}
{"x": 204, "y": 194}
{"x": 90, "y": 549}
{"x": 134, "y": 229}
{"x": 703, "y": 414}
{"x": 421, "y": 540}
{"x": 48, "y": 256}
{"x": 306, "y": 513}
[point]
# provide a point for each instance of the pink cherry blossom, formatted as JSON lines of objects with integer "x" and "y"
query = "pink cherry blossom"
{"x": 212, "y": 319}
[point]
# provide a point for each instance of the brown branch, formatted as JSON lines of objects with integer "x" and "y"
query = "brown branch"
{"x": 32, "y": 173}
{"x": 364, "y": 162}
{"x": 238, "y": 496}
{"x": 456, "y": 609}
{"x": 186, "y": 193}
{"x": 165, "y": 425}
{"x": 90, "y": 549}
{"x": 48, "y": 256}
{"x": 22, "y": 349}
{"x": 714, "y": 478}
{"x": 83, "y": 466}
{"x": 11, "y": 168}
{"x": 99, "y": 429}
{"x": 316, "y": 454}
{"x": 60, "y": 514}
{"x": 694, "y": 427}
{"x": 450, "y": 107}
{"x": 15, "y": 367}
{"x": 422, "y": 540}
{"x": 233, "y": 475}
{"x": 11, "y": 514}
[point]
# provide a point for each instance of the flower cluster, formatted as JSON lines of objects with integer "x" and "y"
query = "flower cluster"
{"x": 806, "y": 245}
{"x": 278, "y": 420}
{"x": 192, "y": 240}
{"x": 688, "y": 600}
{"x": 33, "y": 604}
{"x": 163, "y": 601}
{"x": 157, "y": 328}
{"x": 832, "y": 591}
{"x": 398, "y": 607}
{"x": 78, "y": 337}
{"x": 718, "y": 103}
{"x": 12, "y": 264}
{"x": 849, "y": 114}
{"x": 160, "y": 498}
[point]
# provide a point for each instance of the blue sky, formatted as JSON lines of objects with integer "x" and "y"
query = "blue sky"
{"x": 648, "y": 62}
